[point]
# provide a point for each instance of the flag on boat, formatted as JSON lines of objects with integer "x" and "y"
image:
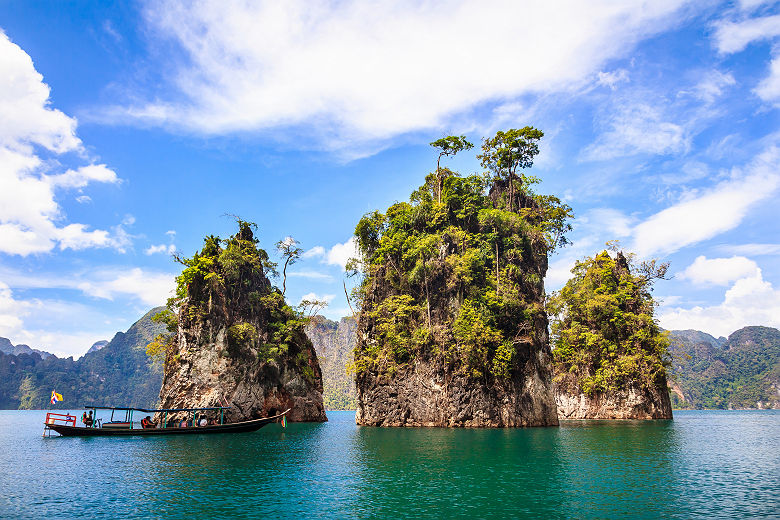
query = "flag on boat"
{"x": 55, "y": 397}
{"x": 284, "y": 421}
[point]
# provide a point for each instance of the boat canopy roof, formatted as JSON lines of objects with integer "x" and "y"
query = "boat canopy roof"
{"x": 145, "y": 410}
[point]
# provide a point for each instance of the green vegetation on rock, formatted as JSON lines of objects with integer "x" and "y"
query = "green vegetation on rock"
{"x": 226, "y": 283}
{"x": 456, "y": 273}
{"x": 604, "y": 336}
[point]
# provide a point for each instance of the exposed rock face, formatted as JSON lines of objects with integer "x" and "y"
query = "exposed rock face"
{"x": 424, "y": 395}
{"x": 237, "y": 342}
{"x": 634, "y": 403}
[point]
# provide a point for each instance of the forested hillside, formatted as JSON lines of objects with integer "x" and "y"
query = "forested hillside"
{"x": 334, "y": 342}
{"x": 742, "y": 371}
{"x": 119, "y": 374}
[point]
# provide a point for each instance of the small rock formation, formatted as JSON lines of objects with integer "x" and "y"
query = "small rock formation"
{"x": 609, "y": 353}
{"x": 452, "y": 330}
{"x": 236, "y": 341}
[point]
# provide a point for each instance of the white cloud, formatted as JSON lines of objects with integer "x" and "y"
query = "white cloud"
{"x": 750, "y": 301}
{"x": 314, "y": 275}
{"x": 712, "y": 212}
{"x": 719, "y": 271}
{"x": 147, "y": 287}
{"x": 11, "y": 313}
{"x": 769, "y": 88}
{"x": 713, "y": 85}
{"x": 611, "y": 79}
{"x": 161, "y": 248}
{"x": 314, "y": 252}
{"x": 340, "y": 254}
{"x": 750, "y": 249}
{"x": 31, "y": 221}
{"x": 319, "y": 297}
{"x": 352, "y": 70}
{"x": 637, "y": 128}
{"x": 731, "y": 37}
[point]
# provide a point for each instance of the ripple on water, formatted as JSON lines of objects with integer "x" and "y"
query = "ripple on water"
{"x": 702, "y": 464}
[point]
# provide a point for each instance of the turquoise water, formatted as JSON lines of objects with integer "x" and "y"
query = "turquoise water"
{"x": 701, "y": 465}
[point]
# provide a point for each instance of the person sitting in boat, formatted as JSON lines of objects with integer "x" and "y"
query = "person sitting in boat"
{"x": 88, "y": 421}
{"x": 184, "y": 423}
{"x": 202, "y": 421}
{"x": 146, "y": 422}
{"x": 84, "y": 418}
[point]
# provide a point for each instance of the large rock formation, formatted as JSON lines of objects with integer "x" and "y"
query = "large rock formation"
{"x": 236, "y": 342}
{"x": 452, "y": 329}
{"x": 610, "y": 356}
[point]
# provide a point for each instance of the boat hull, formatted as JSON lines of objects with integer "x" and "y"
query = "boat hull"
{"x": 238, "y": 427}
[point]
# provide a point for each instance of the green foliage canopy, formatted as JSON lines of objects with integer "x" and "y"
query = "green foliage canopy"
{"x": 604, "y": 335}
{"x": 456, "y": 272}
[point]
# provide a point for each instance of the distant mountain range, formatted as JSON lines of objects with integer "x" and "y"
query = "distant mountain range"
{"x": 6, "y": 347}
{"x": 113, "y": 373}
{"x": 741, "y": 371}
{"x": 334, "y": 342}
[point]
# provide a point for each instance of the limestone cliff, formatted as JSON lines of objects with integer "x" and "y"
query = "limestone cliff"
{"x": 452, "y": 329}
{"x": 633, "y": 403}
{"x": 235, "y": 341}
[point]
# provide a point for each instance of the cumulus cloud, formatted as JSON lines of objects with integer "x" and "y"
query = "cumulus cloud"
{"x": 711, "y": 212}
{"x": 734, "y": 36}
{"x": 318, "y": 297}
{"x": 338, "y": 255}
{"x": 160, "y": 248}
{"x": 31, "y": 220}
{"x": 719, "y": 271}
{"x": 354, "y": 69}
{"x": 749, "y": 301}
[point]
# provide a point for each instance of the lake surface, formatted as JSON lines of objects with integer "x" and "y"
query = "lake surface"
{"x": 701, "y": 465}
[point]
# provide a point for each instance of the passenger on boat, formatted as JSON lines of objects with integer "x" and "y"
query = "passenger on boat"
{"x": 146, "y": 422}
{"x": 89, "y": 421}
{"x": 202, "y": 421}
{"x": 184, "y": 423}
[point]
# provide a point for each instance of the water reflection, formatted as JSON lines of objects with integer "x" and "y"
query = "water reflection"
{"x": 702, "y": 464}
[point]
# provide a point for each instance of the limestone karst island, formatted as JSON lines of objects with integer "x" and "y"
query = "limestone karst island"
{"x": 357, "y": 260}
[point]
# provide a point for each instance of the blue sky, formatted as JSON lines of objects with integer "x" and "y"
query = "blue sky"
{"x": 129, "y": 130}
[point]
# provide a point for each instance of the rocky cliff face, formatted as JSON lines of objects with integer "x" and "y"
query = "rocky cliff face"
{"x": 452, "y": 329}
{"x": 427, "y": 394}
{"x": 236, "y": 341}
{"x": 634, "y": 403}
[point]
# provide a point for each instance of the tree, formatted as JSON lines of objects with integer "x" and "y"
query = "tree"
{"x": 448, "y": 146}
{"x": 604, "y": 335}
{"x": 291, "y": 253}
{"x": 506, "y": 152}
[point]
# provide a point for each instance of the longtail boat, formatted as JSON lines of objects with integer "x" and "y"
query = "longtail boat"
{"x": 65, "y": 424}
